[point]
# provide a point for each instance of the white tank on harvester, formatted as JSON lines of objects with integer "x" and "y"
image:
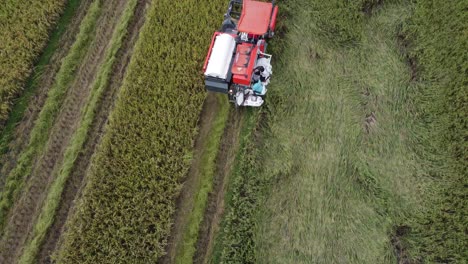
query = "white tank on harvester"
{"x": 237, "y": 64}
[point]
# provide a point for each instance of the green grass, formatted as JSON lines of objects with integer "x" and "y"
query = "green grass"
{"x": 342, "y": 164}
{"x": 186, "y": 250}
{"x": 40, "y": 132}
{"x": 339, "y": 184}
{"x": 51, "y": 203}
{"x": 233, "y": 243}
{"x": 21, "y": 104}
{"x": 437, "y": 40}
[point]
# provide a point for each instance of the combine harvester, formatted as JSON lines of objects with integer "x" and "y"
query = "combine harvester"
{"x": 237, "y": 64}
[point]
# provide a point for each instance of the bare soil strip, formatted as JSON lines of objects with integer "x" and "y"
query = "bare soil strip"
{"x": 23, "y": 130}
{"x": 26, "y": 209}
{"x": 215, "y": 208}
{"x": 76, "y": 181}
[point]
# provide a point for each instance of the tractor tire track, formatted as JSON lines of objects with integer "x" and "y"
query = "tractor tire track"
{"x": 190, "y": 186}
{"x": 27, "y": 208}
{"x": 75, "y": 183}
{"x": 46, "y": 79}
{"x": 215, "y": 207}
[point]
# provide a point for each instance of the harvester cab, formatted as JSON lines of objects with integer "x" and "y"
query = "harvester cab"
{"x": 237, "y": 63}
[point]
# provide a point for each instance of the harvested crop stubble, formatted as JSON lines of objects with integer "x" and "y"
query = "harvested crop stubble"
{"x": 25, "y": 26}
{"x": 127, "y": 206}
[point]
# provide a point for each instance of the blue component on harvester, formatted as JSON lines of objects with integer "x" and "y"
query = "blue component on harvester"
{"x": 258, "y": 87}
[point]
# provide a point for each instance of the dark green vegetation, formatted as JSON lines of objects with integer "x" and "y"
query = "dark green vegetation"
{"x": 360, "y": 155}
{"x": 235, "y": 245}
{"x": 128, "y": 203}
{"x": 437, "y": 35}
{"x": 341, "y": 21}
{"x": 25, "y": 30}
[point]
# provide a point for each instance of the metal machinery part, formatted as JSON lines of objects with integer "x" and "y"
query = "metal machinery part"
{"x": 238, "y": 48}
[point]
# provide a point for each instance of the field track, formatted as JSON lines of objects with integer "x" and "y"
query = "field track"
{"x": 224, "y": 162}
{"x": 75, "y": 183}
{"x": 190, "y": 186}
{"x": 215, "y": 207}
{"x": 25, "y": 212}
{"x": 23, "y": 129}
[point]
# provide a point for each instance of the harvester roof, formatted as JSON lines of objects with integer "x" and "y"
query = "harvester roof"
{"x": 255, "y": 17}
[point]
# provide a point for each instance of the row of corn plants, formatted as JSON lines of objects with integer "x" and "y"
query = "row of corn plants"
{"x": 39, "y": 135}
{"x": 52, "y": 201}
{"x": 126, "y": 211}
{"x": 25, "y": 30}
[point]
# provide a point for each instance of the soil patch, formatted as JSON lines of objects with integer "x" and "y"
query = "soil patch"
{"x": 398, "y": 247}
{"x": 371, "y": 6}
{"x": 411, "y": 61}
{"x": 370, "y": 122}
{"x": 369, "y": 102}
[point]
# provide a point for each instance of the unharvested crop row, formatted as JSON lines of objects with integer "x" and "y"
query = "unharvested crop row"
{"x": 127, "y": 206}
{"x": 52, "y": 201}
{"x": 25, "y": 28}
{"x": 39, "y": 135}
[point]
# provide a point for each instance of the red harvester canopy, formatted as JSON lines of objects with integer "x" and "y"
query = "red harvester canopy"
{"x": 255, "y": 17}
